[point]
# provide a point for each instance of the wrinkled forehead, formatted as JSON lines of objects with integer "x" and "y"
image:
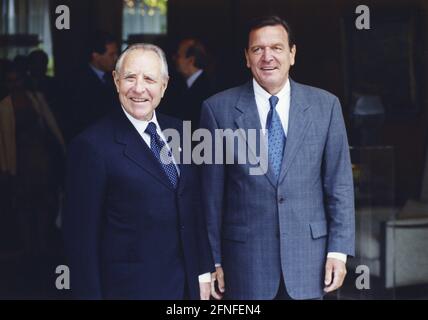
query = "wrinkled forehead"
{"x": 141, "y": 61}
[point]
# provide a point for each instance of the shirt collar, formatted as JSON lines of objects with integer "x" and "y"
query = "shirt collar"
{"x": 141, "y": 125}
{"x": 262, "y": 93}
{"x": 100, "y": 74}
{"x": 191, "y": 80}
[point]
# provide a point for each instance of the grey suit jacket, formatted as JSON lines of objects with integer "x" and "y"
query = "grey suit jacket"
{"x": 259, "y": 226}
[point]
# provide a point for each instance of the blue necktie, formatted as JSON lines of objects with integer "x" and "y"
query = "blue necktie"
{"x": 157, "y": 146}
{"x": 276, "y": 137}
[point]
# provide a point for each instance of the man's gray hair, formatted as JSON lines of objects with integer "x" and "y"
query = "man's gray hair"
{"x": 148, "y": 47}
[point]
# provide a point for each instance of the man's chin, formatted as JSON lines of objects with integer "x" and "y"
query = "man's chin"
{"x": 143, "y": 115}
{"x": 146, "y": 116}
{"x": 268, "y": 83}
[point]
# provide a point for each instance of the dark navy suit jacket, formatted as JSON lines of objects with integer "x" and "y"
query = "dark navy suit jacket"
{"x": 128, "y": 233}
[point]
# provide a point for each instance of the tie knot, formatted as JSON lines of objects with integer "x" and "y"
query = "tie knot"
{"x": 151, "y": 129}
{"x": 273, "y": 100}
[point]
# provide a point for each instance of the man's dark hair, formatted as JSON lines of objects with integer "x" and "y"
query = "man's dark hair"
{"x": 20, "y": 65}
{"x": 197, "y": 50}
{"x": 38, "y": 61}
{"x": 98, "y": 42}
{"x": 265, "y": 21}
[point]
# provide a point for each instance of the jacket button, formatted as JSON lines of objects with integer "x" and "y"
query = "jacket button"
{"x": 281, "y": 200}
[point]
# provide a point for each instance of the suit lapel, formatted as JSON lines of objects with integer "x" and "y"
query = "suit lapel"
{"x": 247, "y": 117}
{"x": 297, "y": 127}
{"x": 137, "y": 150}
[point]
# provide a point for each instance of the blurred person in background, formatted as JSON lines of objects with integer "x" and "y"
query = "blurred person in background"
{"x": 32, "y": 153}
{"x": 90, "y": 91}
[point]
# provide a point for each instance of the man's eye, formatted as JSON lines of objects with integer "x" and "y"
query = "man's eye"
{"x": 130, "y": 79}
{"x": 277, "y": 49}
{"x": 256, "y": 49}
{"x": 150, "y": 80}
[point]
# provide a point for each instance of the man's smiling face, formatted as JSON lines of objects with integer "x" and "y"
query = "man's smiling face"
{"x": 140, "y": 83}
{"x": 269, "y": 57}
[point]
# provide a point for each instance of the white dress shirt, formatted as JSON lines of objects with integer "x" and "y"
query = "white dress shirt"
{"x": 140, "y": 126}
{"x": 100, "y": 74}
{"x": 263, "y": 105}
{"x": 191, "y": 80}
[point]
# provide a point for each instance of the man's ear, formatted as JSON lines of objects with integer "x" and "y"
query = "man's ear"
{"x": 165, "y": 85}
{"x": 293, "y": 55}
{"x": 247, "y": 58}
{"x": 116, "y": 79}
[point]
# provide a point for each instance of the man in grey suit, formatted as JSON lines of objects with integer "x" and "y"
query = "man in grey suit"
{"x": 287, "y": 233}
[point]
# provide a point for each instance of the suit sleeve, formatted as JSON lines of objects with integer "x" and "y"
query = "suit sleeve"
{"x": 206, "y": 263}
{"x": 205, "y": 259}
{"x": 338, "y": 186}
{"x": 85, "y": 186}
{"x": 212, "y": 188}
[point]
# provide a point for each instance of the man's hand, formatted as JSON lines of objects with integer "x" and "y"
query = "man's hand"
{"x": 335, "y": 272}
{"x": 205, "y": 290}
{"x": 218, "y": 276}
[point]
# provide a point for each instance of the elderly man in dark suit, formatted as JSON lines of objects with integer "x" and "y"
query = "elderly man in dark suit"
{"x": 133, "y": 227}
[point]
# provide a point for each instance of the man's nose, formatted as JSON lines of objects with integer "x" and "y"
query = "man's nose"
{"x": 140, "y": 86}
{"x": 267, "y": 55}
